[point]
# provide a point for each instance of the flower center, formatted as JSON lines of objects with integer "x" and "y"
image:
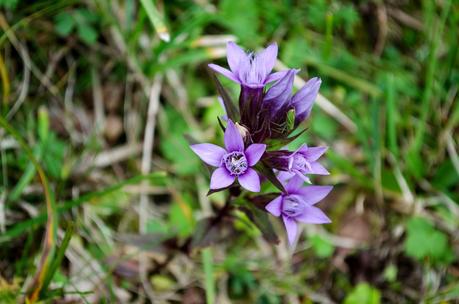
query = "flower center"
{"x": 235, "y": 162}
{"x": 299, "y": 162}
{"x": 292, "y": 206}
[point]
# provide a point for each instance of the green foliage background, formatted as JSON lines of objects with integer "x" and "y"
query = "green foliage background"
{"x": 78, "y": 77}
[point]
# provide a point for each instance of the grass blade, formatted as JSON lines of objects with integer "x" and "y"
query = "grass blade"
{"x": 391, "y": 116}
{"x": 33, "y": 291}
{"x": 156, "y": 20}
{"x": 209, "y": 280}
{"x": 58, "y": 258}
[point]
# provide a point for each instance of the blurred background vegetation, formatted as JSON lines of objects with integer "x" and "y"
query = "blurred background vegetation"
{"x": 86, "y": 84}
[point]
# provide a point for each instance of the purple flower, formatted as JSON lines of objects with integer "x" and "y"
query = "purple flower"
{"x": 300, "y": 162}
{"x": 303, "y": 100}
{"x": 279, "y": 95}
{"x": 304, "y": 161}
{"x": 233, "y": 162}
{"x": 297, "y": 205}
{"x": 250, "y": 70}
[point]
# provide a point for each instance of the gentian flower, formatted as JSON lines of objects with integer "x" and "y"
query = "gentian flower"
{"x": 303, "y": 100}
{"x": 300, "y": 162}
{"x": 279, "y": 95}
{"x": 233, "y": 162}
{"x": 250, "y": 70}
{"x": 296, "y": 205}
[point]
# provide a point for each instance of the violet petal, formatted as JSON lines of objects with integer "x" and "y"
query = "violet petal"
{"x": 274, "y": 207}
{"x": 266, "y": 60}
{"x": 302, "y": 176}
{"x": 292, "y": 229}
{"x": 233, "y": 139}
{"x": 221, "y": 179}
{"x": 254, "y": 152}
{"x": 317, "y": 168}
{"x": 305, "y": 97}
{"x": 236, "y": 57}
{"x": 250, "y": 180}
{"x": 209, "y": 153}
{"x": 294, "y": 185}
{"x": 276, "y": 76}
{"x": 314, "y": 194}
{"x": 280, "y": 92}
{"x": 314, "y": 153}
{"x": 313, "y": 215}
{"x": 225, "y": 72}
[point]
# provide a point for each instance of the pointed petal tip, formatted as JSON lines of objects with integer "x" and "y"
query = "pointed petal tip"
{"x": 250, "y": 180}
{"x": 291, "y": 228}
{"x": 233, "y": 138}
{"x": 274, "y": 207}
{"x": 221, "y": 179}
{"x": 209, "y": 153}
{"x": 254, "y": 152}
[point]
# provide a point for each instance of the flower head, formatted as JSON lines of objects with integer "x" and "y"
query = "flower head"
{"x": 278, "y": 96}
{"x": 304, "y": 161}
{"x": 232, "y": 162}
{"x": 296, "y": 205}
{"x": 303, "y": 100}
{"x": 249, "y": 69}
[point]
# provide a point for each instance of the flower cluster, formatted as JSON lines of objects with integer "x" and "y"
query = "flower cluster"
{"x": 256, "y": 133}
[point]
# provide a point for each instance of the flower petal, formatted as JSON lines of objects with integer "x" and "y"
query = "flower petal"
{"x": 317, "y": 168}
{"x": 280, "y": 92}
{"x": 236, "y": 57}
{"x": 254, "y": 152}
{"x": 313, "y": 215}
{"x": 233, "y": 139}
{"x": 305, "y": 97}
{"x": 314, "y": 153}
{"x": 221, "y": 179}
{"x": 250, "y": 180}
{"x": 225, "y": 72}
{"x": 274, "y": 207}
{"x": 292, "y": 229}
{"x": 275, "y": 76}
{"x": 314, "y": 194}
{"x": 266, "y": 60}
{"x": 284, "y": 176}
{"x": 294, "y": 185}
{"x": 209, "y": 153}
{"x": 302, "y": 176}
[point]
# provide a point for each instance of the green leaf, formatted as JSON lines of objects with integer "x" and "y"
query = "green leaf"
{"x": 53, "y": 157}
{"x": 175, "y": 146}
{"x": 322, "y": 247}
{"x": 363, "y": 294}
{"x": 261, "y": 220}
{"x": 424, "y": 241}
{"x": 267, "y": 172}
{"x": 231, "y": 110}
{"x": 277, "y": 144}
{"x": 64, "y": 24}
{"x": 87, "y": 33}
{"x": 181, "y": 218}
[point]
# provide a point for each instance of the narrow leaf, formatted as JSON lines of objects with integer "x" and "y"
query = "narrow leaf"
{"x": 280, "y": 143}
{"x": 231, "y": 109}
{"x": 156, "y": 19}
{"x": 261, "y": 220}
{"x": 267, "y": 172}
